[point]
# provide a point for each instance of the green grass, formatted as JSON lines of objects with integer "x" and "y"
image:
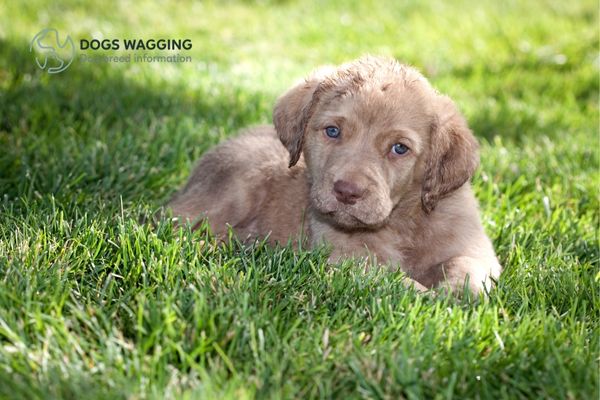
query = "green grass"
{"x": 94, "y": 304}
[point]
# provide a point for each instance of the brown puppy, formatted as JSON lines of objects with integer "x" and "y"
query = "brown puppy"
{"x": 374, "y": 162}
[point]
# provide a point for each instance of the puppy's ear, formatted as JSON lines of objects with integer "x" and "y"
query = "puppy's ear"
{"x": 453, "y": 155}
{"x": 292, "y": 112}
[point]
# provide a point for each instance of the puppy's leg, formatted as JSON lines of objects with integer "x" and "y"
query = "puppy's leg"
{"x": 408, "y": 282}
{"x": 221, "y": 191}
{"x": 233, "y": 183}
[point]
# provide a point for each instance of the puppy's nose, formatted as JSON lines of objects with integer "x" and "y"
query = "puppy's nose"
{"x": 347, "y": 192}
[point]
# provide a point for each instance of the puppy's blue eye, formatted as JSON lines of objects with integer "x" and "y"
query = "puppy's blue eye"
{"x": 332, "y": 132}
{"x": 399, "y": 149}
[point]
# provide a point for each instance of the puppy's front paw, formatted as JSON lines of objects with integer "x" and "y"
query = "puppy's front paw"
{"x": 411, "y": 283}
{"x": 467, "y": 273}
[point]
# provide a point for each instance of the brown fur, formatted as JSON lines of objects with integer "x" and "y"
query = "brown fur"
{"x": 414, "y": 211}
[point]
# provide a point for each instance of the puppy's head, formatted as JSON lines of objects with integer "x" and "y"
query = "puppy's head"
{"x": 375, "y": 136}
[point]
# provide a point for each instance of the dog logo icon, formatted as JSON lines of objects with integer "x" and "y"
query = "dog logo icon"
{"x": 50, "y": 54}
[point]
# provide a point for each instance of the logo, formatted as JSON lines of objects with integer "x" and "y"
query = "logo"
{"x": 50, "y": 54}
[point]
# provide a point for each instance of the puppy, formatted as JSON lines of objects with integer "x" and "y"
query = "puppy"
{"x": 367, "y": 158}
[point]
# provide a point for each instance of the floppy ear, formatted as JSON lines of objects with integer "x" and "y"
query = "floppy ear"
{"x": 292, "y": 112}
{"x": 453, "y": 156}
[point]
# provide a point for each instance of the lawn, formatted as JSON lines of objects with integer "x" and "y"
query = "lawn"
{"x": 95, "y": 304}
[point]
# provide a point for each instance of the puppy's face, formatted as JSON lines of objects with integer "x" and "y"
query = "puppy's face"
{"x": 375, "y": 136}
{"x": 364, "y": 152}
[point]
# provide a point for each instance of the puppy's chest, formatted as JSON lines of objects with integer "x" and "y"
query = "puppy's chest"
{"x": 387, "y": 246}
{"x": 391, "y": 249}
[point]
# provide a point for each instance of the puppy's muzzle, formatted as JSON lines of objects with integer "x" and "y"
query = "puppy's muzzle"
{"x": 347, "y": 192}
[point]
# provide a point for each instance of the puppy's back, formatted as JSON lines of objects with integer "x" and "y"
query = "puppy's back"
{"x": 245, "y": 183}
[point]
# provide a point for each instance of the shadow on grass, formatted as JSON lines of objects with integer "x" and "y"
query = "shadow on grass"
{"x": 94, "y": 134}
